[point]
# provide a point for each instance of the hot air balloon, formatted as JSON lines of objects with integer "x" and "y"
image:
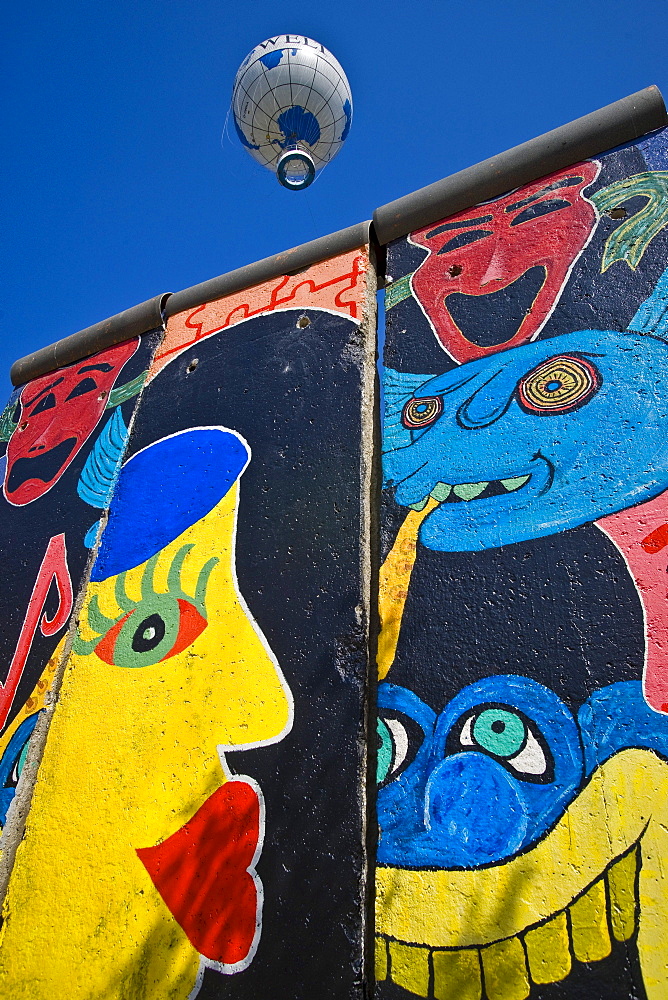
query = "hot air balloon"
{"x": 292, "y": 107}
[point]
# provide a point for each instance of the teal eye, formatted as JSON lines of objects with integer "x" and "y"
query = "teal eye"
{"x": 385, "y": 752}
{"x": 506, "y": 734}
{"x": 399, "y": 739}
{"x": 499, "y": 732}
{"x": 18, "y": 767}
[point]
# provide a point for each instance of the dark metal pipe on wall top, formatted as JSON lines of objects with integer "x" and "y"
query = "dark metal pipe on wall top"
{"x": 611, "y": 126}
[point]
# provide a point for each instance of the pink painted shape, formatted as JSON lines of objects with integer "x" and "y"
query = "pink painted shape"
{"x": 641, "y": 535}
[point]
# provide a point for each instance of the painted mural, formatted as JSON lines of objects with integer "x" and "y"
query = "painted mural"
{"x": 180, "y": 841}
{"x": 63, "y": 438}
{"x": 523, "y": 695}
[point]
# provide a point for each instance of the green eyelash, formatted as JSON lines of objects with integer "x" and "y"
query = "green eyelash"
{"x": 101, "y": 623}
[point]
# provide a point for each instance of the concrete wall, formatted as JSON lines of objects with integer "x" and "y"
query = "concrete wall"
{"x": 189, "y": 530}
{"x": 196, "y": 822}
{"x": 522, "y": 658}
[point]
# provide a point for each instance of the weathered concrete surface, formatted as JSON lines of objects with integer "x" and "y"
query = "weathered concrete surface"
{"x": 522, "y": 656}
{"x": 228, "y": 611}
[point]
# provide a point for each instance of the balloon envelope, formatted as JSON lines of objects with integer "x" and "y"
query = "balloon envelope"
{"x": 291, "y": 94}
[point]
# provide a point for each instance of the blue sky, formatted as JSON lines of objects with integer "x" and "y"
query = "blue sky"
{"x": 116, "y": 185}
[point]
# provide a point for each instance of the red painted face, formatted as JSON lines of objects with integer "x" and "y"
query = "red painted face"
{"x": 59, "y": 412}
{"x": 495, "y": 272}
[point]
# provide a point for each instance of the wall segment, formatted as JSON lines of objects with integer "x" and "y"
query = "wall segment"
{"x": 523, "y": 676}
{"x": 183, "y": 839}
{"x": 190, "y": 524}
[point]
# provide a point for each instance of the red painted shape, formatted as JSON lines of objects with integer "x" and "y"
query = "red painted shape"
{"x": 490, "y": 246}
{"x": 656, "y": 540}
{"x": 202, "y": 873}
{"x": 640, "y": 534}
{"x": 191, "y": 624}
{"x": 105, "y": 647}
{"x": 54, "y": 569}
{"x": 59, "y": 412}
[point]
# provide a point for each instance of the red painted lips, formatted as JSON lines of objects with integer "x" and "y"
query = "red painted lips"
{"x": 202, "y": 874}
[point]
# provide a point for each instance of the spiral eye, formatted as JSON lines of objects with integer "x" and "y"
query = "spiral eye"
{"x": 503, "y": 732}
{"x": 559, "y": 385}
{"x": 421, "y": 412}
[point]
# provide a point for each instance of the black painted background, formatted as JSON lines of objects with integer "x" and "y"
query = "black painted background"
{"x": 294, "y": 394}
{"x": 25, "y": 532}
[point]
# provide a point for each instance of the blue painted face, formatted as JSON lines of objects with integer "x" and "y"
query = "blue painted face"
{"x": 537, "y": 439}
{"x": 496, "y": 769}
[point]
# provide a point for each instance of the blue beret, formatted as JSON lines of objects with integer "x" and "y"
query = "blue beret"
{"x": 165, "y": 488}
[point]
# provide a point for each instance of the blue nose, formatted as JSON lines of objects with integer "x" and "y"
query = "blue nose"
{"x": 474, "y": 811}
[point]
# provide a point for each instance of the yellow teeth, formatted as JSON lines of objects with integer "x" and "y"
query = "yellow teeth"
{"x": 542, "y": 954}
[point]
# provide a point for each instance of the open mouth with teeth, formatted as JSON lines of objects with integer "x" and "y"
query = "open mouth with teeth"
{"x": 492, "y": 933}
{"x": 465, "y": 492}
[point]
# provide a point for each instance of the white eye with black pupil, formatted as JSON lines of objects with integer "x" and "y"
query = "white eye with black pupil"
{"x": 507, "y": 735}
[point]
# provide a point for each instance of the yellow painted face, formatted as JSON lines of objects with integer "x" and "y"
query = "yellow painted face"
{"x": 174, "y": 640}
{"x": 168, "y": 668}
{"x": 596, "y": 877}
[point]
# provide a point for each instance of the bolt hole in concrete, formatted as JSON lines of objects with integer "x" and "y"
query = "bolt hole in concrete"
{"x": 192, "y": 366}
{"x": 455, "y": 270}
{"x": 618, "y": 213}
{"x": 303, "y": 322}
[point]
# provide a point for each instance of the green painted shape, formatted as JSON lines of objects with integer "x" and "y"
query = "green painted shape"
{"x": 469, "y": 491}
{"x": 385, "y": 752}
{"x": 127, "y": 391}
{"x": 441, "y": 492}
{"x": 398, "y": 291}
{"x": 154, "y": 625}
{"x": 7, "y": 425}
{"x": 630, "y": 240}
{"x": 514, "y": 484}
{"x": 506, "y": 739}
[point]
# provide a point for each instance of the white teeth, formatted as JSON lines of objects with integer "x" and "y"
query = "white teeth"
{"x": 514, "y": 484}
{"x": 469, "y": 491}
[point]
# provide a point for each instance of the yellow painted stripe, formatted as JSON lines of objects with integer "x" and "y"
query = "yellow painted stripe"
{"x": 409, "y": 967}
{"x": 381, "y": 958}
{"x": 393, "y": 581}
{"x": 505, "y": 971}
{"x": 548, "y": 951}
{"x": 457, "y": 975}
{"x": 621, "y": 888}
{"x": 589, "y": 925}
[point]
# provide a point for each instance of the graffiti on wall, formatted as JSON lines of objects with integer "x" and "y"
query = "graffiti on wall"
{"x": 223, "y": 603}
{"x": 523, "y": 698}
{"x": 60, "y": 432}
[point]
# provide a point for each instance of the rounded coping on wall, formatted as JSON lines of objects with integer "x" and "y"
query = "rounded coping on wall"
{"x": 611, "y": 126}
